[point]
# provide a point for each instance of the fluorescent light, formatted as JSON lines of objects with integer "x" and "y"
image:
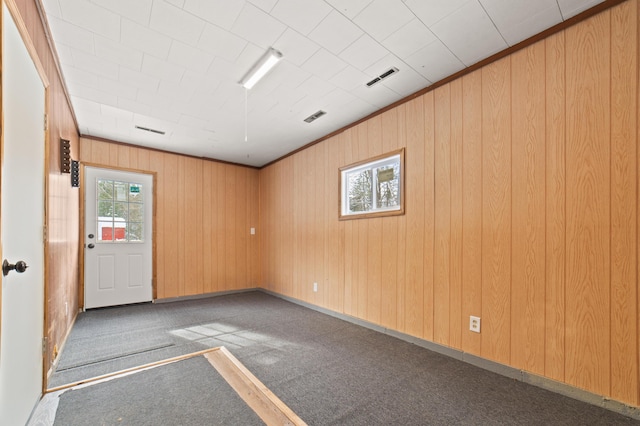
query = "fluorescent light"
{"x": 261, "y": 68}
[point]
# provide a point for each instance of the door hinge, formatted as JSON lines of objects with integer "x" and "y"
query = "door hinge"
{"x": 45, "y": 121}
{"x": 44, "y": 233}
{"x": 44, "y": 346}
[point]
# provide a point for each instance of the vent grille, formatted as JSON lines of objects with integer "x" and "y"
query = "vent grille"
{"x": 388, "y": 73}
{"x": 315, "y": 116}
{"x": 146, "y": 129}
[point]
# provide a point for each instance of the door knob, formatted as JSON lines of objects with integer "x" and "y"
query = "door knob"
{"x": 7, "y": 267}
{"x": 91, "y": 245}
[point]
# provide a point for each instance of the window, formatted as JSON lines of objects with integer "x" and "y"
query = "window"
{"x": 120, "y": 211}
{"x": 373, "y": 187}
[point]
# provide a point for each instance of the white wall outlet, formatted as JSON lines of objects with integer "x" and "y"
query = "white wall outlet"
{"x": 474, "y": 324}
{"x": 315, "y": 287}
{"x": 252, "y": 231}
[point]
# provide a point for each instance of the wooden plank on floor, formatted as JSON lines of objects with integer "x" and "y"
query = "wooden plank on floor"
{"x": 257, "y": 396}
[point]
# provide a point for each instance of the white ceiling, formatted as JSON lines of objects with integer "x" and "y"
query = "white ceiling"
{"x": 174, "y": 65}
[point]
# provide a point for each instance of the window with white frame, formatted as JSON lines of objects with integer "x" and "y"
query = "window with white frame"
{"x": 372, "y": 187}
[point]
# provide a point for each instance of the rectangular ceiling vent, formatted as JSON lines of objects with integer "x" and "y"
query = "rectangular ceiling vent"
{"x": 315, "y": 116}
{"x": 388, "y": 73}
{"x": 146, "y": 129}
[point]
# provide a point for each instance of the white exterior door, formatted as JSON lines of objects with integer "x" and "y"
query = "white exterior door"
{"x": 118, "y": 249}
{"x": 23, "y": 102}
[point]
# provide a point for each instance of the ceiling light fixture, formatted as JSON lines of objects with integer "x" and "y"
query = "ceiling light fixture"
{"x": 261, "y": 68}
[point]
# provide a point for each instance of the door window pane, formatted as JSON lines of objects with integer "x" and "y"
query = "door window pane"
{"x": 120, "y": 211}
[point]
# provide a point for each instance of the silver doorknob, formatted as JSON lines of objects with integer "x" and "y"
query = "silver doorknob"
{"x": 7, "y": 267}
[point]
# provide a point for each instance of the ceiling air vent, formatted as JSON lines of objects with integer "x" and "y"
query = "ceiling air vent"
{"x": 146, "y": 129}
{"x": 388, "y": 73}
{"x": 315, "y": 116}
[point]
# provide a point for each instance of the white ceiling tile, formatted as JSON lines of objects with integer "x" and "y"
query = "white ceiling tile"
{"x": 139, "y": 37}
{"x": 324, "y": 64}
{"x": 302, "y": 16}
{"x": 315, "y": 86}
{"x": 52, "y": 8}
{"x": 384, "y": 17}
{"x": 162, "y": 69}
{"x": 178, "y": 3}
{"x": 378, "y": 95}
{"x": 518, "y": 20}
{"x": 266, "y": 5}
{"x": 406, "y": 82}
{"x": 118, "y": 53}
{"x": 349, "y": 8}
{"x": 65, "y": 54}
{"x": 154, "y": 100}
{"x": 138, "y": 79}
{"x": 85, "y": 104}
{"x": 335, "y": 32}
{"x": 295, "y": 47}
{"x": 409, "y": 39}
{"x": 116, "y": 113}
{"x": 174, "y": 91}
{"x": 175, "y": 23}
{"x": 258, "y": 27}
{"x": 434, "y": 62}
{"x": 469, "y": 34}
{"x": 133, "y": 106}
{"x": 94, "y": 64}
{"x": 78, "y": 76}
{"x": 189, "y": 57}
{"x": 192, "y": 82}
{"x": 138, "y": 10}
{"x": 363, "y": 52}
{"x": 72, "y": 35}
{"x": 152, "y": 123}
{"x": 571, "y": 8}
{"x": 221, "y": 43}
{"x": 91, "y": 17}
{"x": 93, "y": 94}
{"x": 349, "y": 78}
{"x": 431, "y": 11}
{"x": 222, "y": 13}
{"x": 118, "y": 88}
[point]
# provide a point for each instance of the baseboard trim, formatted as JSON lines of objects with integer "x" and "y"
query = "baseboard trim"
{"x": 495, "y": 367}
{"x": 204, "y": 295}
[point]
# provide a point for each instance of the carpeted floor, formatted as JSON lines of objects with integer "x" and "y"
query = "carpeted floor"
{"x": 328, "y": 371}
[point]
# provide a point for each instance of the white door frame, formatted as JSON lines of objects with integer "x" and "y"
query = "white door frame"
{"x": 83, "y": 231}
{"x": 38, "y": 276}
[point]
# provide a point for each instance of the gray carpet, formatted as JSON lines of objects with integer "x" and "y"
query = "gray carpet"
{"x": 326, "y": 370}
{"x": 189, "y": 392}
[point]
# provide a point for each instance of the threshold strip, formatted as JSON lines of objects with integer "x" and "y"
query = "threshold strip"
{"x": 255, "y": 394}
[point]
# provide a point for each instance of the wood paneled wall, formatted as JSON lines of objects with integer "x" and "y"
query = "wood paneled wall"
{"x": 204, "y": 212}
{"x": 521, "y": 208}
{"x": 62, "y": 200}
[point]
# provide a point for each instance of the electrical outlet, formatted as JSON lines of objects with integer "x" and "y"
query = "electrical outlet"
{"x": 474, "y": 324}
{"x": 315, "y": 287}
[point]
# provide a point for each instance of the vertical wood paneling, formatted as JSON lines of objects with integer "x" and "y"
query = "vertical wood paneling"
{"x": 588, "y": 214}
{"x": 160, "y": 219}
{"x": 401, "y": 285}
{"x": 170, "y": 235}
{"x": 496, "y": 181}
{"x": 521, "y": 207}
{"x": 429, "y": 216}
{"x": 624, "y": 192}
{"x": 374, "y": 234}
{"x": 472, "y": 208}
{"x": 528, "y": 208}
{"x": 456, "y": 322}
{"x": 388, "y": 308}
{"x": 555, "y": 206}
{"x": 442, "y": 207}
{"x": 415, "y": 193}
{"x": 208, "y": 247}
